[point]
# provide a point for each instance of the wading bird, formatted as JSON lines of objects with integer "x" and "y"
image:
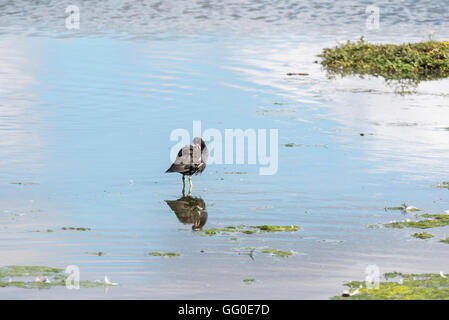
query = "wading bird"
{"x": 190, "y": 160}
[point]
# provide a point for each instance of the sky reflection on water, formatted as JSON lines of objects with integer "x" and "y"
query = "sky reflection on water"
{"x": 87, "y": 119}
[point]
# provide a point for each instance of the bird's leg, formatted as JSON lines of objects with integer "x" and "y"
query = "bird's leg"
{"x": 183, "y": 185}
{"x": 191, "y": 185}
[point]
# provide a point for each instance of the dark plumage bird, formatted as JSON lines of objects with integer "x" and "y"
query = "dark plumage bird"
{"x": 190, "y": 160}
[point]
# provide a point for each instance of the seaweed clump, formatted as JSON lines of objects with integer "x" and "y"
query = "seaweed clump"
{"x": 444, "y": 184}
{"x": 404, "y": 207}
{"x": 422, "y": 235}
{"x": 45, "y": 278}
{"x": 414, "y": 62}
{"x": 427, "y": 286}
{"x": 164, "y": 254}
{"x": 430, "y": 221}
{"x": 277, "y": 253}
{"x": 291, "y": 144}
{"x": 76, "y": 228}
{"x": 269, "y": 228}
{"x": 248, "y": 229}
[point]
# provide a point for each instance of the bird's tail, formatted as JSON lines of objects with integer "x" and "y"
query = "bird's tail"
{"x": 174, "y": 168}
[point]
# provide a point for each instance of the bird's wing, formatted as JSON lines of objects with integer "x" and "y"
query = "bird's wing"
{"x": 189, "y": 155}
{"x": 189, "y": 158}
{"x": 184, "y": 156}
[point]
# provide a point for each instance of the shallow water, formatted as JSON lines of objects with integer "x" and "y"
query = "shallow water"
{"x": 85, "y": 121}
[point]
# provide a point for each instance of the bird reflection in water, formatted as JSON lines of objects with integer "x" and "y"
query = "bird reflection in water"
{"x": 189, "y": 210}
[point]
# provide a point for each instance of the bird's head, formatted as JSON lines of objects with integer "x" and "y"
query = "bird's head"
{"x": 196, "y": 225}
{"x": 198, "y": 142}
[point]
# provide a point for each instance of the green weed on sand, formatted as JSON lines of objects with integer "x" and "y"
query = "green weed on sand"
{"x": 398, "y": 286}
{"x": 419, "y": 61}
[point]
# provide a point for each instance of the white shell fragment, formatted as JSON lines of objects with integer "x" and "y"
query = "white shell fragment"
{"x": 42, "y": 279}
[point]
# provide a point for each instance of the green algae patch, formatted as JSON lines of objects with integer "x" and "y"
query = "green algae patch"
{"x": 47, "y": 285}
{"x": 208, "y": 232}
{"x": 445, "y": 240}
{"x": 249, "y": 281}
{"x": 97, "y": 253}
{"x": 427, "y": 286}
{"x": 28, "y": 271}
{"x": 392, "y": 275}
{"x": 431, "y": 221}
{"x": 248, "y": 229}
{"x": 291, "y": 144}
{"x": 269, "y": 228}
{"x": 394, "y": 208}
{"x": 404, "y": 207}
{"x": 226, "y": 230}
{"x": 214, "y": 231}
{"x": 164, "y": 254}
{"x": 277, "y": 253}
{"x": 65, "y": 229}
{"x": 75, "y": 229}
{"x": 444, "y": 184}
{"x": 422, "y": 235}
{"x": 416, "y": 62}
{"x": 25, "y": 183}
{"x": 45, "y": 278}
{"x": 395, "y": 225}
